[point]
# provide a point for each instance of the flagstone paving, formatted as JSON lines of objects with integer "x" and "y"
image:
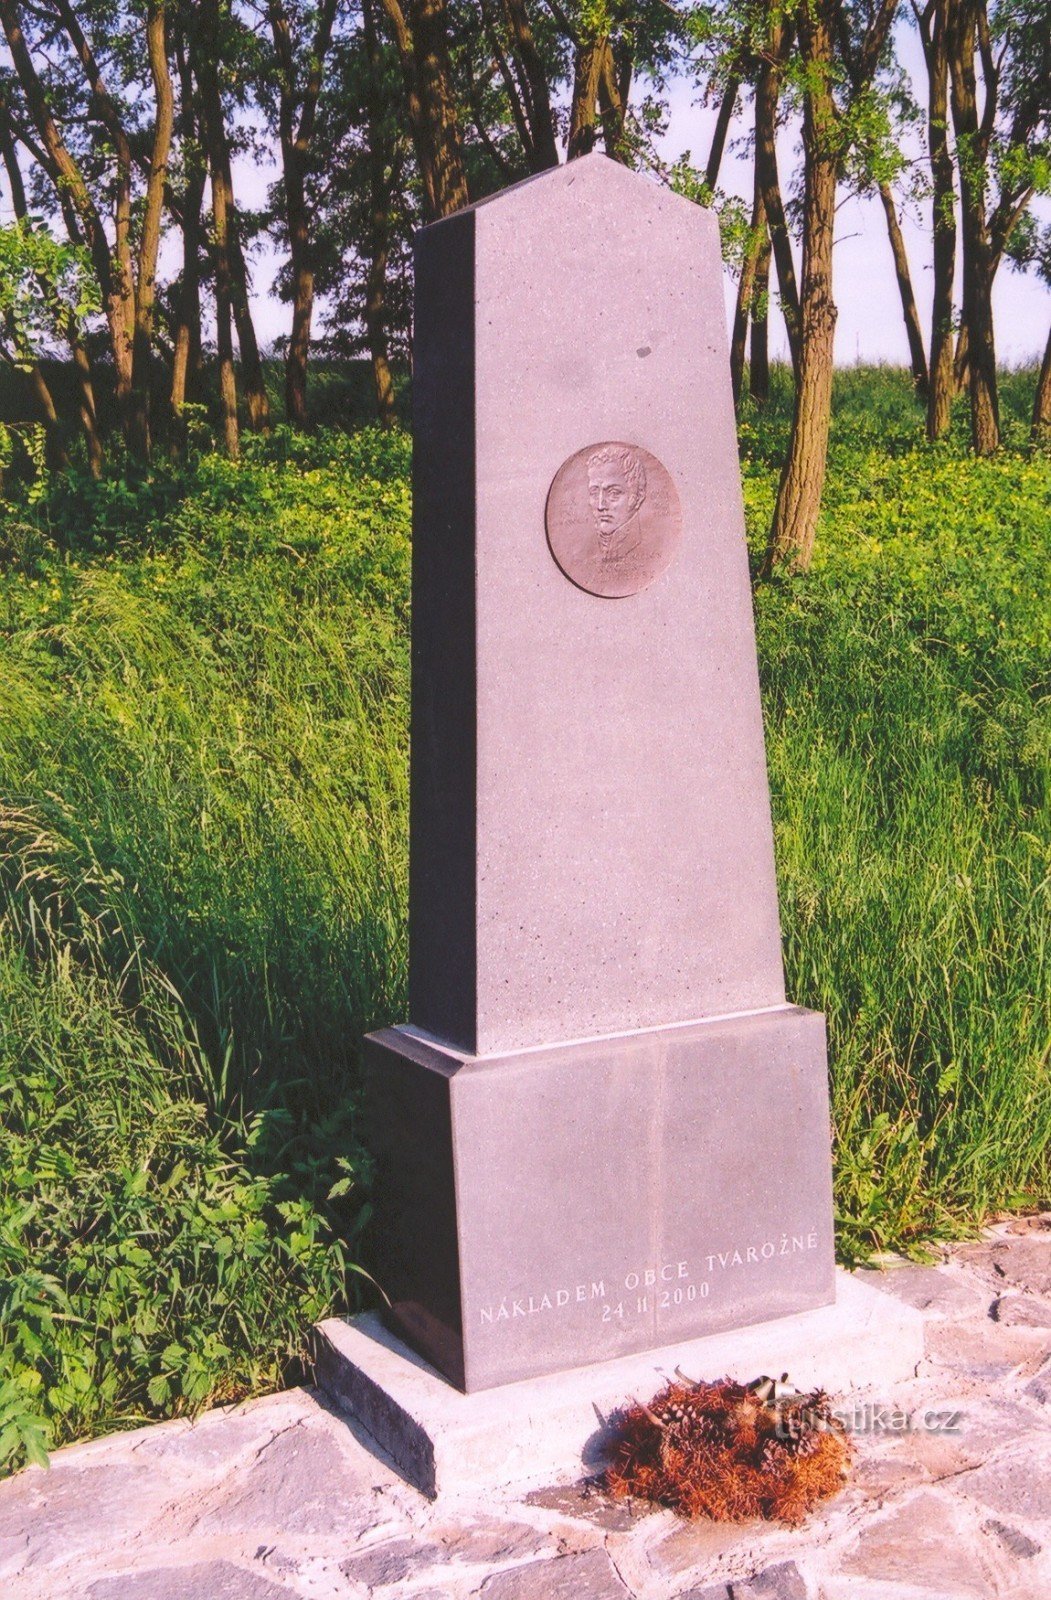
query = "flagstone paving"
{"x": 278, "y": 1499}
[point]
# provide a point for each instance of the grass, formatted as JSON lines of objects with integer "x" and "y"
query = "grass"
{"x": 907, "y": 693}
{"x": 203, "y": 731}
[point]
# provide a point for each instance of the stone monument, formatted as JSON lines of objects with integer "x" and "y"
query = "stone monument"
{"x": 603, "y": 1129}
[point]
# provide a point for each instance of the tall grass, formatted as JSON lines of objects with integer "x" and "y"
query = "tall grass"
{"x": 203, "y": 742}
{"x": 907, "y": 690}
{"x": 202, "y": 867}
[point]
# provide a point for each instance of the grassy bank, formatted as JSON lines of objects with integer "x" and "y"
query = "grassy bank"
{"x": 203, "y": 712}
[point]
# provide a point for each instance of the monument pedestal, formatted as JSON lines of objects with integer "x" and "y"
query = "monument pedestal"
{"x": 552, "y": 1429}
{"x": 548, "y": 1208}
{"x": 602, "y": 1128}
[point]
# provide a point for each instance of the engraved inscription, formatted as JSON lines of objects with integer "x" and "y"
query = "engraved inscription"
{"x": 656, "y": 1288}
{"x": 613, "y": 519}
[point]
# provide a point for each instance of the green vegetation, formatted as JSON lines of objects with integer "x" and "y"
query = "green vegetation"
{"x": 203, "y": 697}
{"x": 907, "y": 690}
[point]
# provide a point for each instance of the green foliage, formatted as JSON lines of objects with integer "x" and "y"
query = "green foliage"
{"x": 202, "y": 867}
{"x": 46, "y": 286}
{"x": 908, "y": 707}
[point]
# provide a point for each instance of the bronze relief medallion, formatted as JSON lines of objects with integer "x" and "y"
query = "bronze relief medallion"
{"x": 613, "y": 519}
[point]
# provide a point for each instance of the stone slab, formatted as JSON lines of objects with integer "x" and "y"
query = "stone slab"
{"x": 546, "y": 1209}
{"x": 590, "y": 843}
{"x": 553, "y": 1428}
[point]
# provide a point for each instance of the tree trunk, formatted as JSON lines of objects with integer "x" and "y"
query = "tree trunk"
{"x": 1042, "y": 400}
{"x": 150, "y": 237}
{"x": 187, "y": 340}
{"x": 434, "y": 78}
{"x": 767, "y": 94}
{"x": 253, "y": 382}
{"x": 207, "y": 70}
{"x": 120, "y": 286}
{"x": 914, "y": 332}
{"x": 613, "y": 88}
{"x": 77, "y": 205}
{"x": 375, "y": 318}
{"x": 86, "y": 414}
{"x": 57, "y": 455}
{"x": 727, "y": 106}
{"x": 223, "y": 313}
{"x": 81, "y": 364}
{"x": 745, "y": 291}
{"x": 794, "y": 525}
{"x": 977, "y": 253}
{"x": 380, "y": 191}
{"x": 302, "y": 303}
{"x": 942, "y": 385}
{"x": 295, "y": 154}
{"x": 759, "y": 352}
{"x": 583, "y": 111}
{"x": 423, "y": 51}
{"x": 38, "y": 385}
{"x": 536, "y": 92}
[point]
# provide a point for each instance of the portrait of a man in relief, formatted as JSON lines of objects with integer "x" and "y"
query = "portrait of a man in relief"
{"x": 616, "y": 491}
{"x": 613, "y": 518}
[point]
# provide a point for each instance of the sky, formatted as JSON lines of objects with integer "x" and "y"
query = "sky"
{"x": 870, "y": 326}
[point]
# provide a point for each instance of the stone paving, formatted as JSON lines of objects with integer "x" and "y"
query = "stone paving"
{"x": 278, "y": 1499}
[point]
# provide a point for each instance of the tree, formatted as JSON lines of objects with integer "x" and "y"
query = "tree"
{"x": 1000, "y": 83}
{"x": 420, "y": 34}
{"x": 913, "y": 330}
{"x": 933, "y": 23}
{"x": 45, "y": 286}
{"x": 126, "y": 276}
{"x": 300, "y": 70}
{"x": 839, "y": 52}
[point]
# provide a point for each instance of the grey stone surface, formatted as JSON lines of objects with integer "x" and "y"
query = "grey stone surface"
{"x": 300, "y": 1483}
{"x": 581, "y": 1501}
{"x": 529, "y": 1434}
{"x": 559, "y": 889}
{"x": 391, "y": 1563}
{"x": 206, "y": 1580}
{"x": 920, "y": 1544}
{"x": 578, "y": 1577}
{"x": 694, "y": 1227}
{"x": 43, "y": 1512}
{"x": 1039, "y": 1387}
{"x": 1018, "y": 1484}
{"x": 783, "y": 1581}
{"x": 1019, "y": 1261}
{"x": 939, "y": 1294}
{"x": 1013, "y": 1539}
{"x": 489, "y": 1544}
{"x": 981, "y": 1349}
{"x": 1021, "y": 1311}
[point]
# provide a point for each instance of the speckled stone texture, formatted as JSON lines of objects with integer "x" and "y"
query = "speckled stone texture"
{"x": 600, "y": 1082}
{"x": 552, "y": 1208}
{"x": 591, "y": 848}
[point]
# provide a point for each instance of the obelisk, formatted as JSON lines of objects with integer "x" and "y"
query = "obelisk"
{"x": 603, "y": 1128}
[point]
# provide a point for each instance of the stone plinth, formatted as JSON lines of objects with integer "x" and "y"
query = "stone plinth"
{"x": 554, "y": 1207}
{"x": 553, "y": 1429}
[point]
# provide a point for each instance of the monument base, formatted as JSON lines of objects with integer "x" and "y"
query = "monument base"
{"x": 554, "y": 1207}
{"x": 551, "y": 1429}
